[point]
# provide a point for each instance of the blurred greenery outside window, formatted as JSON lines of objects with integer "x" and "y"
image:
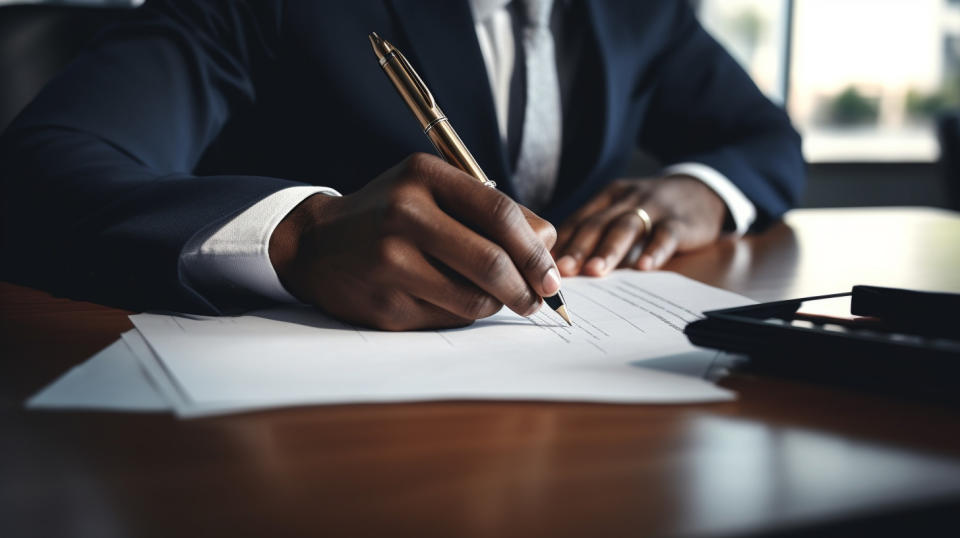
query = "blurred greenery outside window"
{"x": 863, "y": 80}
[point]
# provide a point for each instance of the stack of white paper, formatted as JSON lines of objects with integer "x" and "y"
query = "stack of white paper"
{"x": 626, "y": 346}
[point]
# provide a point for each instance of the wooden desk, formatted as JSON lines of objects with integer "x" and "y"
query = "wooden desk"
{"x": 783, "y": 454}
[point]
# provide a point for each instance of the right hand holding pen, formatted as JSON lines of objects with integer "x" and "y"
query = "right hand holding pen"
{"x": 424, "y": 245}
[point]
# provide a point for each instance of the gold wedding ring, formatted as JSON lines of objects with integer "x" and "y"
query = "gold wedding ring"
{"x": 645, "y": 218}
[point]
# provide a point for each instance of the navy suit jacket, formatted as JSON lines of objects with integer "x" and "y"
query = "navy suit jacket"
{"x": 189, "y": 112}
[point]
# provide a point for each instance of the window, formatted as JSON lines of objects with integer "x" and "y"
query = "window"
{"x": 755, "y": 32}
{"x": 863, "y": 80}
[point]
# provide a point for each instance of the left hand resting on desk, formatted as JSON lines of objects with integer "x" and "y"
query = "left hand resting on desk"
{"x": 686, "y": 215}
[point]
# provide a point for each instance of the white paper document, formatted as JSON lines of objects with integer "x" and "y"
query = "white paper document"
{"x": 111, "y": 380}
{"x": 295, "y": 355}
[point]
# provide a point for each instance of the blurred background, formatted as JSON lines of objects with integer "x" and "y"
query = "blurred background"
{"x": 872, "y": 85}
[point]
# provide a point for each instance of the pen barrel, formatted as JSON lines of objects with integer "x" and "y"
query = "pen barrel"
{"x": 431, "y": 118}
{"x": 412, "y": 89}
{"x": 453, "y": 150}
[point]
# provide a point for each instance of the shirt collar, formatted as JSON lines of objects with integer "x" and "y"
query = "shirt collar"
{"x": 483, "y": 9}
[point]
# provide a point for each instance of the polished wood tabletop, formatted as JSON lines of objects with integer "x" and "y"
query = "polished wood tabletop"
{"x": 784, "y": 456}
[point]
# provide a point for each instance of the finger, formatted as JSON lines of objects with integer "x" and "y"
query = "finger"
{"x": 587, "y": 237}
{"x": 434, "y": 317}
{"x": 571, "y": 258}
{"x": 402, "y": 312}
{"x": 620, "y": 235}
{"x": 598, "y": 203}
{"x": 481, "y": 261}
{"x": 544, "y": 230}
{"x": 500, "y": 219}
{"x": 569, "y": 227}
{"x": 633, "y": 255}
{"x": 424, "y": 281}
{"x": 661, "y": 247}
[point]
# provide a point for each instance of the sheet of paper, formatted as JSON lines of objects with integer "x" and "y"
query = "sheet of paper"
{"x": 695, "y": 389}
{"x": 177, "y": 401}
{"x": 111, "y": 380}
{"x": 295, "y": 355}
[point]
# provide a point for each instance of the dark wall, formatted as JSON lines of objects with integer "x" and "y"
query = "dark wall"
{"x": 872, "y": 184}
{"x": 855, "y": 184}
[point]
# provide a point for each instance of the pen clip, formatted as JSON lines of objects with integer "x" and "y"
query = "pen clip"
{"x": 421, "y": 86}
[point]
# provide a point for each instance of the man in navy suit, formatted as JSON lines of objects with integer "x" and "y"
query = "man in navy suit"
{"x": 194, "y": 156}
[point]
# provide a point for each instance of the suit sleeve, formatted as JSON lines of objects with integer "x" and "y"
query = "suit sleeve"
{"x": 706, "y": 109}
{"x": 98, "y": 170}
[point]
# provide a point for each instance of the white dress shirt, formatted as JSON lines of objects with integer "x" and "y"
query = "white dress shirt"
{"x": 235, "y": 254}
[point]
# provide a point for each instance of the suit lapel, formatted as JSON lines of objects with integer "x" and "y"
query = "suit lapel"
{"x": 439, "y": 39}
{"x": 584, "y": 151}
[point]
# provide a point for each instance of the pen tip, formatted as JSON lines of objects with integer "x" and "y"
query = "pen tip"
{"x": 562, "y": 310}
{"x": 381, "y": 47}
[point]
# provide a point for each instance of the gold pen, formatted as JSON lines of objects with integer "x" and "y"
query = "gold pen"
{"x": 436, "y": 126}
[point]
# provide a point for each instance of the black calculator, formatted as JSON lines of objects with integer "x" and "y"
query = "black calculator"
{"x": 890, "y": 339}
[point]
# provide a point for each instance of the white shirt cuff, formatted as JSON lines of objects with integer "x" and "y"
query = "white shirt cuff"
{"x": 741, "y": 209}
{"x": 235, "y": 256}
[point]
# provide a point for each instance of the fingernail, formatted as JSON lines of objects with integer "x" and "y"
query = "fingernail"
{"x": 596, "y": 265}
{"x": 551, "y": 282}
{"x": 567, "y": 264}
{"x": 646, "y": 262}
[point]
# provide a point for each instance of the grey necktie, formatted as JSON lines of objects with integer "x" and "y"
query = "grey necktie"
{"x": 539, "y": 157}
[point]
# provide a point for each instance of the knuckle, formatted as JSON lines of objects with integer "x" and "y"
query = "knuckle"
{"x": 494, "y": 263}
{"x": 547, "y": 233}
{"x": 480, "y": 305}
{"x": 505, "y": 212}
{"x": 416, "y": 160}
{"x": 534, "y": 259}
{"x": 522, "y": 298}
{"x": 420, "y": 166}
{"x": 390, "y": 253}
{"x": 401, "y": 209}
